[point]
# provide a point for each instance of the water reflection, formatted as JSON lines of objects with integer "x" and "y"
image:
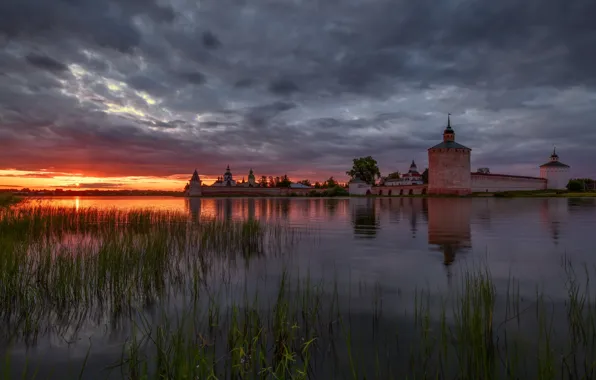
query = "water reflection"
{"x": 449, "y": 226}
{"x": 364, "y": 217}
{"x": 193, "y": 206}
{"x": 553, "y": 214}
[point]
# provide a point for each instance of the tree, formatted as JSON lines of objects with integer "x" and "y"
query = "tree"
{"x": 330, "y": 183}
{"x": 394, "y": 175}
{"x": 305, "y": 182}
{"x": 366, "y": 169}
{"x": 317, "y": 185}
{"x": 284, "y": 181}
{"x": 575, "y": 185}
{"x": 271, "y": 181}
{"x": 263, "y": 181}
{"x": 425, "y": 176}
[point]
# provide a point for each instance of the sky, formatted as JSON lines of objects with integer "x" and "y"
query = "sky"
{"x": 139, "y": 93}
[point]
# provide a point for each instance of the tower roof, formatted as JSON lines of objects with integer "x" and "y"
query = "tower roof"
{"x": 448, "y": 129}
{"x": 195, "y": 176}
{"x": 554, "y": 155}
{"x": 449, "y": 138}
{"x": 554, "y": 161}
{"x": 554, "y": 164}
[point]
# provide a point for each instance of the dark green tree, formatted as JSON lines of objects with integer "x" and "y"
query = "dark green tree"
{"x": 425, "y": 176}
{"x": 305, "y": 182}
{"x": 366, "y": 169}
{"x": 283, "y": 181}
{"x": 575, "y": 185}
{"x": 331, "y": 182}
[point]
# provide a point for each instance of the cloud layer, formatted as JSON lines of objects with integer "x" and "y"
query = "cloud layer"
{"x": 157, "y": 88}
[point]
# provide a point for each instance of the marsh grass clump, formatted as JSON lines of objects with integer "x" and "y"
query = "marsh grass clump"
{"x": 64, "y": 266}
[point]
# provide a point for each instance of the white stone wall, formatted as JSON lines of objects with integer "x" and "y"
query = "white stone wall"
{"x": 495, "y": 183}
{"x": 557, "y": 177}
{"x": 358, "y": 188}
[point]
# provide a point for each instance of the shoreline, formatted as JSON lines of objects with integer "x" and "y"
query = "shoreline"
{"x": 8, "y": 199}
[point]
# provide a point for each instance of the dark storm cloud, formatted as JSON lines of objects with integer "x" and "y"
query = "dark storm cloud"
{"x": 193, "y": 77}
{"x": 210, "y": 40}
{"x": 46, "y": 63}
{"x": 283, "y": 87}
{"x": 141, "y": 87}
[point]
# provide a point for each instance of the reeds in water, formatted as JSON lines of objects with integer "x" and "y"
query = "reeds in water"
{"x": 190, "y": 311}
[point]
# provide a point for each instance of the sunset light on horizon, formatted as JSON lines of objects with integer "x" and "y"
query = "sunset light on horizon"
{"x": 44, "y": 179}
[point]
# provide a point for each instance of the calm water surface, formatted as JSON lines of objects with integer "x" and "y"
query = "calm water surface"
{"x": 400, "y": 244}
{"x": 408, "y": 242}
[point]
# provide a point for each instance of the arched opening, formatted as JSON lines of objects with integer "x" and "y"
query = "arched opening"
{"x": 367, "y": 192}
{"x": 380, "y": 192}
{"x": 411, "y": 192}
{"x": 389, "y": 192}
{"x": 401, "y": 192}
{"x": 424, "y": 191}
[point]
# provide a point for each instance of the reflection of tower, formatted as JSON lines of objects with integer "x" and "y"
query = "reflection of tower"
{"x": 251, "y": 209}
{"x": 364, "y": 217}
{"x": 553, "y": 213}
{"x": 449, "y": 226}
{"x": 227, "y": 209}
{"x": 193, "y": 206}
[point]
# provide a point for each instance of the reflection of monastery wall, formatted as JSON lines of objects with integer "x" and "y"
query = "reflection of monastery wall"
{"x": 502, "y": 182}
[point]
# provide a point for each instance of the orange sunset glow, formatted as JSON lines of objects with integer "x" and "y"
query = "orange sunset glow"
{"x": 51, "y": 180}
{"x": 18, "y": 179}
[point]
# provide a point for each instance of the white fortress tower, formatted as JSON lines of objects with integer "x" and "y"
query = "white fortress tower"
{"x": 194, "y": 186}
{"x": 555, "y": 172}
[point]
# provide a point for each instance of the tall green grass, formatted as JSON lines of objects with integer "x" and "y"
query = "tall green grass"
{"x": 180, "y": 290}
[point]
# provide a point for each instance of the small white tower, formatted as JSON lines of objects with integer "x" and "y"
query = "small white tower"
{"x": 194, "y": 186}
{"x": 555, "y": 172}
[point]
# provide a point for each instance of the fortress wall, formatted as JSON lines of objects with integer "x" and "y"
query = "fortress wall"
{"x": 253, "y": 191}
{"x": 449, "y": 171}
{"x": 503, "y": 182}
{"x": 232, "y": 190}
{"x": 399, "y": 190}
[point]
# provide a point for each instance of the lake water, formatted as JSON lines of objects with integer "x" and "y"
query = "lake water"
{"x": 399, "y": 245}
{"x": 408, "y": 242}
